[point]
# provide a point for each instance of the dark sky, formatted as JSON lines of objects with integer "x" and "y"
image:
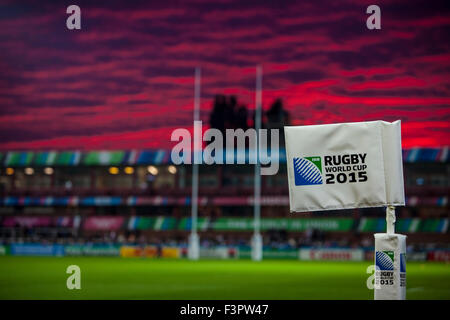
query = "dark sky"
{"x": 125, "y": 80}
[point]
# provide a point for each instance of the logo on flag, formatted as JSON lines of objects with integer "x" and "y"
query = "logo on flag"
{"x": 308, "y": 171}
{"x": 384, "y": 260}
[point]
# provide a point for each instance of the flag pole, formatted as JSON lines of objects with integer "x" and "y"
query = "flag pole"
{"x": 257, "y": 242}
{"x": 194, "y": 240}
{"x": 390, "y": 219}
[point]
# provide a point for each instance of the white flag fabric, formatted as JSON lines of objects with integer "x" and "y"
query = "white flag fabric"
{"x": 344, "y": 166}
{"x": 390, "y": 263}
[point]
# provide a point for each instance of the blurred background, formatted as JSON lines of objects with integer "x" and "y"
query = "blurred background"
{"x": 86, "y": 117}
{"x": 137, "y": 203}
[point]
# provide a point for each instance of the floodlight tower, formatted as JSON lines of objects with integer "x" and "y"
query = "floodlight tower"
{"x": 194, "y": 240}
{"x": 257, "y": 241}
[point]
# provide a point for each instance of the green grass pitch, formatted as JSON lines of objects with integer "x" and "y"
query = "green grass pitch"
{"x": 134, "y": 278}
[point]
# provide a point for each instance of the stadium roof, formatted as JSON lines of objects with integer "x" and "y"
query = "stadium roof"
{"x": 157, "y": 157}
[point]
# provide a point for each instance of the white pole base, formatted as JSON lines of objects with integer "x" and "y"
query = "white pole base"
{"x": 257, "y": 247}
{"x": 390, "y": 266}
{"x": 194, "y": 247}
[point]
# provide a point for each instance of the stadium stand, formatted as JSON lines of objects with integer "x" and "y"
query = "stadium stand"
{"x": 139, "y": 197}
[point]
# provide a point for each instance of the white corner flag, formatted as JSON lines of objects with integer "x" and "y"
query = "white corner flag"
{"x": 345, "y": 165}
{"x": 353, "y": 165}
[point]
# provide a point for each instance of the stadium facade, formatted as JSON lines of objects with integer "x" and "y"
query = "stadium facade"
{"x": 138, "y": 203}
